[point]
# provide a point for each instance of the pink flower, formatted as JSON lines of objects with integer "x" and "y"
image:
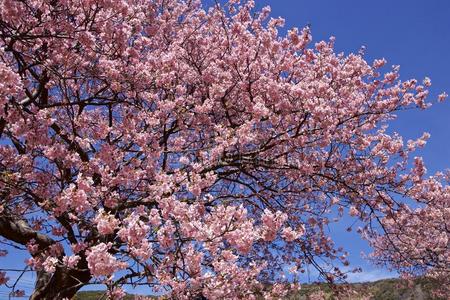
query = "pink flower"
{"x": 106, "y": 223}
{"x": 427, "y": 82}
{"x": 165, "y": 234}
{"x": 101, "y": 262}
{"x": 3, "y": 278}
{"x": 442, "y": 96}
{"x": 116, "y": 293}
{"x": 76, "y": 248}
{"x": 32, "y": 246}
{"x": 18, "y": 293}
{"x": 289, "y": 234}
{"x": 378, "y": 63}
{"x": 134, "y": 230}
{"x": 50, "y": 264}
{"x": 184, "y": 160}
{"x": 353, "y": 211}
{"x": 197, "y": 143}
{"x": 272, "y": 222}
{"x": 71, "y": 261}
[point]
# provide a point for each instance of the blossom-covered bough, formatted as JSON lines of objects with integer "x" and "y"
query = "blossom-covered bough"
{"x": 198, "y": 152}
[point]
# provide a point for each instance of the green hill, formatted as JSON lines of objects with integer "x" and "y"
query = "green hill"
{"x": 388, "y": 289}
{"x": 96, "y": 295}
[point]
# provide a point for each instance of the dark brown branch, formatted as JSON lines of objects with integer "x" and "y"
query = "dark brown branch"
{"x": 20, "y": 232}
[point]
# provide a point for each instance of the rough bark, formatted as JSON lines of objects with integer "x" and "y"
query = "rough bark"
{"x": 19, "y": 231}
{"x": 64, "y": 282}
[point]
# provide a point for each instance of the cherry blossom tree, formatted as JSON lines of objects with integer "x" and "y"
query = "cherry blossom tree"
{"x": 416, "y": 241}
{"x": 198, "y": 152}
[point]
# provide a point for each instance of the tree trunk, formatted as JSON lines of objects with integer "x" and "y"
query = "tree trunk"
{"x": 64, "y": 283}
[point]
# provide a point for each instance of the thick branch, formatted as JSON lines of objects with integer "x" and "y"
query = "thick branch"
{"x": 19, "y": 232}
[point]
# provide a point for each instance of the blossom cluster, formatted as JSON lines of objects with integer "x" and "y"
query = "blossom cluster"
{"x": 199, "y": 152}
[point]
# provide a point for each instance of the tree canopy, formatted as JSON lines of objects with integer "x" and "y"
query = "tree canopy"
{"x": 199, "y": 152}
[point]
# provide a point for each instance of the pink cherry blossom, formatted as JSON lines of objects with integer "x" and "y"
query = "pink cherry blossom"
{"x": 50, "y": 264}
{"x": 198, "y": 150}
{"x": 116, "y": 293}
{"x": 3, "y": 278}
{"x": 102, "y": 263}
{"x": 71, "y": 261}
{"x": 442, "y": 96}
{"x": 106, "y": 223}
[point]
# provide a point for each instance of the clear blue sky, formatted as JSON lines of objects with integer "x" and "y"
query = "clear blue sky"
{"x": 413, "y": 34}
